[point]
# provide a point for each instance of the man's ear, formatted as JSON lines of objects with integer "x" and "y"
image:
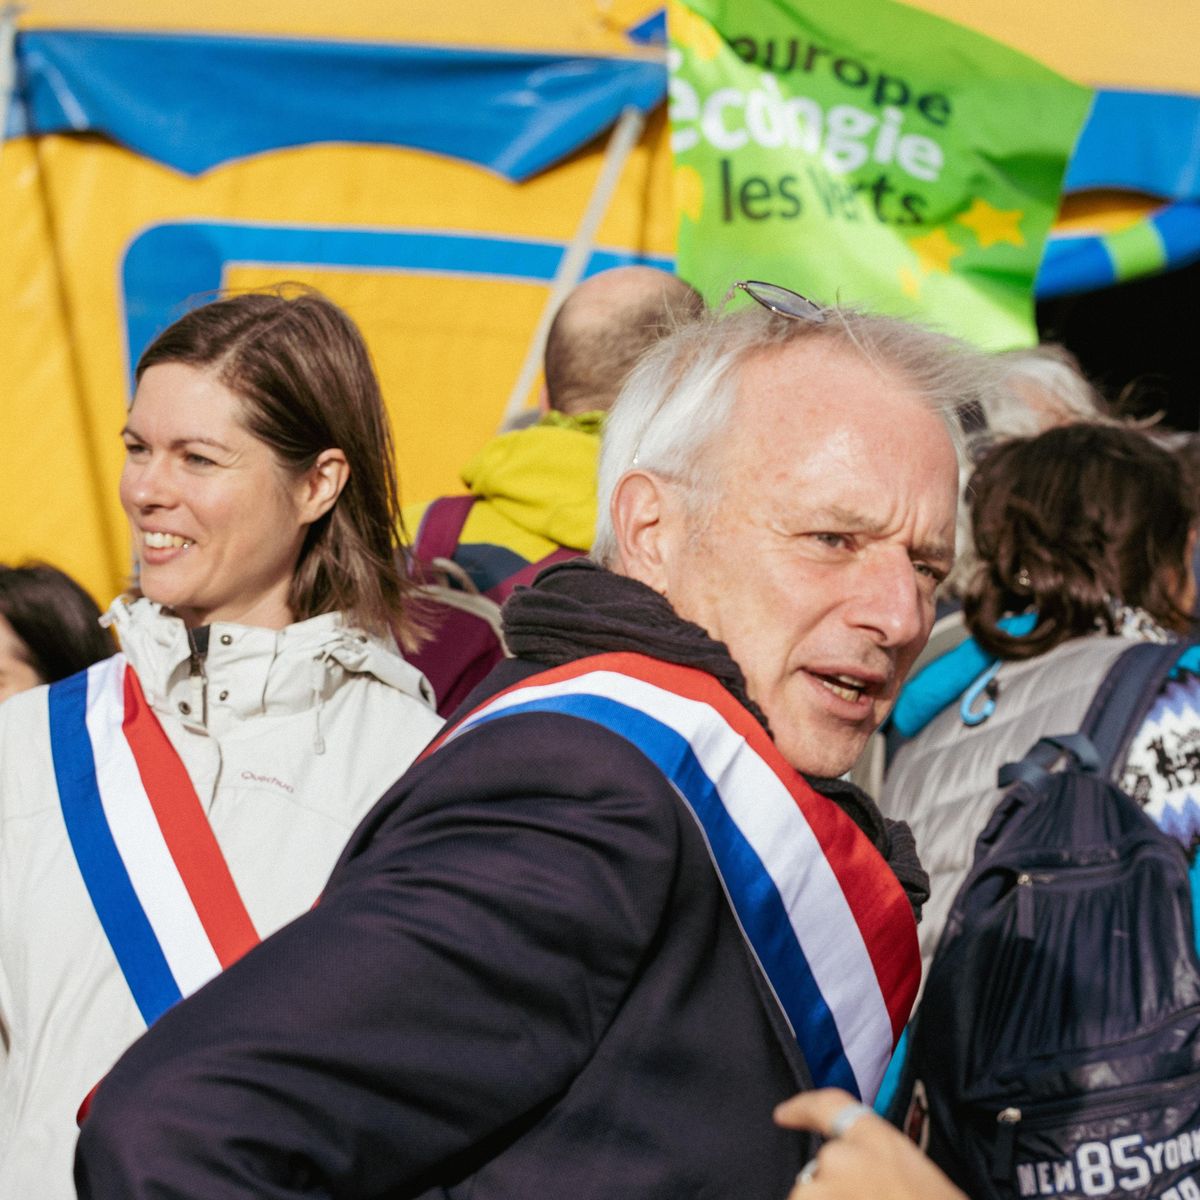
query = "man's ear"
{"x": 322, "y": 484}
{"x": 647, "y": 519}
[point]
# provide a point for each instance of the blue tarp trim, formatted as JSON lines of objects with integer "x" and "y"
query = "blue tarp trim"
{"x": 1083, "y": 264}
{"x": 513, "y": 112}
{"x": 1070, "y": 265}
{"x": 195, "y": 101}
{"x": 169, "y": 268}
{"x": 1179, "y": 227}
{"x": 652, "y": 31}
{"x": 1143, "y": 141}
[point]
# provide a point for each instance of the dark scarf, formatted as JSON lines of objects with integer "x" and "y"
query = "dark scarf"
{"x": 576, "y": 609}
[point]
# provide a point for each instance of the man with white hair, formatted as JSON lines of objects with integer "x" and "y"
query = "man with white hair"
{"x": 621, "y": 909}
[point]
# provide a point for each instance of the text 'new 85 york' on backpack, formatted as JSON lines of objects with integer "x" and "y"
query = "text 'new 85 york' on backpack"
{"x": 1056, "y": 1050}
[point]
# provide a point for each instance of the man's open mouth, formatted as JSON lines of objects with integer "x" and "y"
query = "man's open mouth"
{"x": 847, "y": 687}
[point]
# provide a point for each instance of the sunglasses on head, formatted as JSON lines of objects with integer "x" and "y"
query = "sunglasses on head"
{"x": 781, "y": 300}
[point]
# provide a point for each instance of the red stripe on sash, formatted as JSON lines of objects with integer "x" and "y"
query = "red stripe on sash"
{"x": 873, "y": 893}
{"x": 186, "y": 830}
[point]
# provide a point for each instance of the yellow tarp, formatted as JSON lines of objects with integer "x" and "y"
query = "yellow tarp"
{"x": 448, "y": 346}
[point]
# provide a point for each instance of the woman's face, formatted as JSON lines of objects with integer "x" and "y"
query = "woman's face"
{"x": 217, "y": 524}
{"x": 16, "y": 675}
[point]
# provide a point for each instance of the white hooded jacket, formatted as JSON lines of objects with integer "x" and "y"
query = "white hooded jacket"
{"x": 289, "y": 737}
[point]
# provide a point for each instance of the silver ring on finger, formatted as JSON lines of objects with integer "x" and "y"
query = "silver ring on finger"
{"x": 808, "y": 1172}
{"x": 845, "y": 1117}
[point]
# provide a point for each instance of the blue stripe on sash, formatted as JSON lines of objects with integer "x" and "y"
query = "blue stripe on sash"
{"x": 116, "y": 903}
{"x": 759, "y": 905}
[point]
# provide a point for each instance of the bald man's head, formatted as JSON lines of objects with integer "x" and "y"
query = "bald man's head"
{"x": 603, "y": 328}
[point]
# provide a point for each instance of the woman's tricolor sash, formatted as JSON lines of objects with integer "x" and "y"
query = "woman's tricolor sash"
{"x": 152, "y": 866}
{"x": 823, "y": 914}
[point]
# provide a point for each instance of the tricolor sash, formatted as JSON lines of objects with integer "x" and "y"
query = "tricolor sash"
{"x": 824, "y": 916}
{"x": 152, "y": 866}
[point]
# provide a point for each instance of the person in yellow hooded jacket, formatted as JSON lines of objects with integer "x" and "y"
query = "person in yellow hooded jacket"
{"x": 531, "y": 492}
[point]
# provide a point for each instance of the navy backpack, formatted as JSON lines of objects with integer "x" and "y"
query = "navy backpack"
{"x": 1056, "y": 1050}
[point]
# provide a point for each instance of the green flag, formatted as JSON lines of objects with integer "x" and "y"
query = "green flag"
{"x": 866, "y": 152}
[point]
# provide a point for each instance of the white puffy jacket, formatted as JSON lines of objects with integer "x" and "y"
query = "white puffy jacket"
{"x": 289, "y": 737}
{"x": 943, "y": 782}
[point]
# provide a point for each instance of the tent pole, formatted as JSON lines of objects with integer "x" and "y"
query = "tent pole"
{"x": 570, "y": 268}
{"x": 8, "y": 64}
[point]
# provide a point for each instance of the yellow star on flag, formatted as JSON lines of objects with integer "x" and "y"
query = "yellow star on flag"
{"x": 935, "y": 251}
{"x": 910, "y": 283}
{"x": 991, "y": 225}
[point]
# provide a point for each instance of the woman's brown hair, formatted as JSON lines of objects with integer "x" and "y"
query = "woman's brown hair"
{"x": 303, "y": 374}
{"x": 1069, "y": 521}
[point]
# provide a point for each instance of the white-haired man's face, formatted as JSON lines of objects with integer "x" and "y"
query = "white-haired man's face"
{"x": 818, "y": 562}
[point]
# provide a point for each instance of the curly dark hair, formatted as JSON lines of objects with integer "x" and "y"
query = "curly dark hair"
{"x": 1067, "y": 521}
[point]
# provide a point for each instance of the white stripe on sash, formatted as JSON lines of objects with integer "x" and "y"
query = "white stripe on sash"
{"x": 137, "y": 835}
{"x": 773, "y": 824}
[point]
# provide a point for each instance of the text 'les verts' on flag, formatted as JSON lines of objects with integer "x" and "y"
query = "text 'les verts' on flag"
{"x": 867, "y": 152}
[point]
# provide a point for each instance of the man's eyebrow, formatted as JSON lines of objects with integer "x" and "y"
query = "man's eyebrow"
{"x": 848, "y": 519}
{"x": 932, "y": 552}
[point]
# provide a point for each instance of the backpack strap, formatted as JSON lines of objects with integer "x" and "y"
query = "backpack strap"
{"x": 1124, "y": 698}
{"x": 528, "y": 573}
{"x": 441, "y": 527}
{"x": 1115, "y": 714}
{"x": 440, "y": 532}
{"x": 1047, "y": 751}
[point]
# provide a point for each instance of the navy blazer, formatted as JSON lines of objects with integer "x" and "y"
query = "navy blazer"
{"x": 523, "y": 981}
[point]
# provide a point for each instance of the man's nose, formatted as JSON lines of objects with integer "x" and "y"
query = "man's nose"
{"x": 889, "y": 600}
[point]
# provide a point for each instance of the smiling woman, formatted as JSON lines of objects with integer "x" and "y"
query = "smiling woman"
{"x": 218, "y": 525}
{"x": 169, "y": 806}
{"x": 260, "y": 401}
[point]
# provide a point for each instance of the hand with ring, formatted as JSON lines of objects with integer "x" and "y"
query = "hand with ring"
{"x": 863, "y": 1156}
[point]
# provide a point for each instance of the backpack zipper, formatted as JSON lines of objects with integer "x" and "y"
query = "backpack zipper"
{"x": 1024, "y": 911}
{"x": 1010, "y": 1117}
{"x": 1006, "y": 1144}
{"x": 1067, "y": 874}
{"x": 1080, "y": 1057}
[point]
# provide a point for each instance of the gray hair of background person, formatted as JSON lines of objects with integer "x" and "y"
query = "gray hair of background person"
{"x": 1045, "y": 387}
{"x": 680, "y": 397}
{"x": 57, "y": 622}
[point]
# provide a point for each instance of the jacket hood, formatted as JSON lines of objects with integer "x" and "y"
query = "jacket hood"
{"x": 262, "y": 670}
{"x": 543, "y": 479}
